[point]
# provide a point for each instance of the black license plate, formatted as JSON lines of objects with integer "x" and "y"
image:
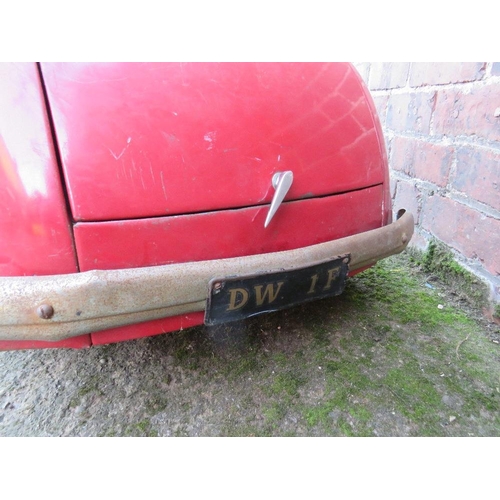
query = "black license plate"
{"x": 232, "y": 299}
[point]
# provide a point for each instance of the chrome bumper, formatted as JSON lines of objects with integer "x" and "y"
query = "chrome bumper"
{"x": 58, "y": 307}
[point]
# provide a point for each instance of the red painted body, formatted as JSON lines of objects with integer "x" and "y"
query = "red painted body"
{"x": 186, "y": 138}
{"x": 35, "y": 228}
{"x": 228, "y": 233}
{"x": 167, "y": 163}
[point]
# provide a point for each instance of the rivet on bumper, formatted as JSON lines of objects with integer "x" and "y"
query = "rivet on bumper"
{"x": 45, "y": 311}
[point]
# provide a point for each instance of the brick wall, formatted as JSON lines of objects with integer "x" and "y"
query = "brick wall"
{"x": 441, "y": 123}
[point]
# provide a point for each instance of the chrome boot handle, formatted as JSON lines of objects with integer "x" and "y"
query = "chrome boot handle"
{"x": 281, "y": 182}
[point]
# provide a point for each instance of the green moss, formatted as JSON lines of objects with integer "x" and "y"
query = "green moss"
{"x": 319, "y": 413}
{"x": 156, "y": 402}
{"x": 240, "y": 366}
{"x": 339, "y": 417}
{"x": 275, "y": 412}
{"x": 286, "y": 384}
{"x": 401, "y": 320}
{"x": 382, "y": 359}
{"x": 320, "y": 335}
{"x": 281, "y": 359}
{"x": 476, "y": 399}
{"x": 89, "y": 386}
{"x": 415, "y": 395}
{"x": 496, "y": 311}
{"x": 360, "y": 413}
{"x": 141, "y": 429}
{"x": 407, "y": 299}
{"x": 439, "y": 261}
{"x": 345, "y": 428}
{"x": 345, "y": 384}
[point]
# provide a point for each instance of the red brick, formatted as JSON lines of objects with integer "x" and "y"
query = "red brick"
{"x": 473, "y": 234}
{"x": 407, "y": 196}
{"x": 402, "y": 151}
{"x": 458, "y": 113}
{"x": 478, "y": 175}
{"x": 381, "y": 105}
{"x": 410, "y": 112}
{"x": 435, "y": 73}
{"x": 423, "y": 160}
{"x": 388, "y": 75}
{"x": 433, "y": 162}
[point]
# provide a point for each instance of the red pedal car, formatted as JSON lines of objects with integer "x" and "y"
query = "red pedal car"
{"x": 137, "y": 199}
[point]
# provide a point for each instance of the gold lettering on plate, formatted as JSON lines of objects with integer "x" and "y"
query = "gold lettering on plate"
{"x": 269, "y": 291}
{"x": 332, "y": 274}
{"x": 314, "y": 280}
{"x": 238, "y": 298}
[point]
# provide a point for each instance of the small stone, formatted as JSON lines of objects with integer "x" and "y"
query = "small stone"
{"x": 334, "y": 415}
{"x": 452, "y": 418}
{"x": 440, "y": 306}
{"x": 447, "y": 400}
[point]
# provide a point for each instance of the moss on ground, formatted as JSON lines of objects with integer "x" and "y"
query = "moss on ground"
{"x": 496, "y": 311}
{"x": 394, "y": 355}
{"x": 438, "y": 261}
{"x": 407, "y": 352}
{"x": 141, "y": 429}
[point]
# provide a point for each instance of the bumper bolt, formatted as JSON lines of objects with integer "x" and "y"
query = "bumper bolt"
{"x": 45, "y": 311}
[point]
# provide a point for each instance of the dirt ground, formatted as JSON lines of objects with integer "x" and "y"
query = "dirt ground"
{"x": 398, "y": 354}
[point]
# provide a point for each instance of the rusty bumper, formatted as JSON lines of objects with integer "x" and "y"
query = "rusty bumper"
{"x": 53, "y": 308}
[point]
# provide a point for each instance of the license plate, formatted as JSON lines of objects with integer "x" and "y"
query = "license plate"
{"x": 232, "y": 299}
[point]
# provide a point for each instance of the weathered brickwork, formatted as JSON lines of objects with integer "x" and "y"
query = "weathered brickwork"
{"x": 477, "y": 175}
{"x": 471, "y": 112}
{"x": 439, "y": 73}
{"x": 442, "y": 128}
{"x": 420, "y": 159}
{"x": 410, "y": 112}
{"x": 388, "y": 75}
{"x": 466, "y": 230}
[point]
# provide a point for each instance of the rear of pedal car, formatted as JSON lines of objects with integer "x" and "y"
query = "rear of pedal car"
{"x": 168, "y": 195}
